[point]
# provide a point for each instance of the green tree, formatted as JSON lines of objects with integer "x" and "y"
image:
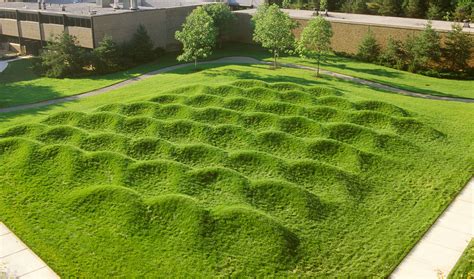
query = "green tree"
{"x": 198, "y": 36}
{"x": 315, "y": 40}
{"x": 390, "y": 7}
{"x": 369, "y": 49}
{"x": 359, "y": 6}
{"x": 394, "y": 54}
{"x": 465, "y": 9}
{"x": 423, "y": 49}
{"x": 140, "y": 49}
{"x": 414, "y": 8}
{"x": 62, "y": 57}
{"x": 107, "y": 56}
{"x": 458, "y": 46}
{"x": 222, "y": 16}
{"x": 273, "y": 30}
{"x": 323, "y": 5}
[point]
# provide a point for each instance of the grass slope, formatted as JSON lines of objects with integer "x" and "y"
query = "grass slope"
{"x": 19, "y": 85}
{"x": 464, "y": 268}
{"x": 227, "y": 172}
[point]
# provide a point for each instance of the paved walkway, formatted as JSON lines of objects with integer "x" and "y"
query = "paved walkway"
{"x": 229, "y": 60}
{"x": 18, "y": 261}
{"x": 440, "y": 248}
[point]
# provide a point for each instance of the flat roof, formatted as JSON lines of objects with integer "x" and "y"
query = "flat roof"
{"x": 84, "y": 9}
{"x": 410, "y": 23}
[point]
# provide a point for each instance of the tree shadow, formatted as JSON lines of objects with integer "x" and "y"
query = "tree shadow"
{"x": 247, "y": 74}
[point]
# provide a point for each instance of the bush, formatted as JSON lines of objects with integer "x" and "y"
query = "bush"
{"x": 423, "y": 51}
{"x": 140, "y": 49}
{"x": 457, "y": 50}
{"x": 62, "y": 57}
{"x": 393, "y": 55}
{"x": 107, "y": 56}
{"x": 369, "y": 50}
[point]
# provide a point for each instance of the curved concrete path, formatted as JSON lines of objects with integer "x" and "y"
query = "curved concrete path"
{"x": 435, "y": 255}
{"x": 4, "y": 63}
{"x": 229, "y": 60}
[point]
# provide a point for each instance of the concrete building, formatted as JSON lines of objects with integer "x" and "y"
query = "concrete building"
{"x": 27, "y": 26}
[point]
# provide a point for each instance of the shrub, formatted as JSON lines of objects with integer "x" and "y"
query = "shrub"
{"x": 457, "y": 50}
{"x": 369, "y": 50}
{"x": 107, "y": 56}
{"x": 393, "y": 55}
{"x": 140, "y": 49}
{"x": 62, "y": 57}
{"x": 423, "y": 51}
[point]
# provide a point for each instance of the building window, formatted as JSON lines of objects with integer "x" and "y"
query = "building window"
{"x": 79, "y": 22}
{"x": 52, "y": 19}
{"x": 28, "y": 17}
{"x": 8, "y": 14}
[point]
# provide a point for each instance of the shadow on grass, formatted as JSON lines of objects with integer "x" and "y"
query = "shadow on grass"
{"x": 243, "y": 74}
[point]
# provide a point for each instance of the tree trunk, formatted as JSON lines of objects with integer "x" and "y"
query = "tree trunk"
{"x": 319, "y": 60}
{"x": 195, "y": 63}
{"x": 274, "y": 59}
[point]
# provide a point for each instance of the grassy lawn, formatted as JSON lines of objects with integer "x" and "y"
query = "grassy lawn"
{"x": 464, "y": 268}
{"x": 230, "y": 172}
{"x": 19, "y": 85}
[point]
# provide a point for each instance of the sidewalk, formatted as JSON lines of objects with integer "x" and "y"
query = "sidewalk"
{"x": 4, "y": 63}
{"x": 437, "y": 252}
{"x": 18, "y": 261}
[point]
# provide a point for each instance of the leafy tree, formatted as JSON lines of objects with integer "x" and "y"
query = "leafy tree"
{"x": 62, "y": 57}
{"x": 394, "y": 54}
{"x": 198, "y": 36}
{"x": 390, "y": 7}
{"x": 434, "y": 11}
{"x": 315, "y": 40}
{"x": 107, "y": 56}
{"x": 423, "y": 49}
{"x": 323, "y": 5}
{"x": 222, "y": 16}
{"x": 369, "y": 49}
{"x": 285, "y": 4}
{"x": 465, "y": 9}
{"x": 414, "y": 8}
{"x": 273, "y": 30}
{"x": 359, "y": 6}
{"x": 458, "y": 47}
{"x": 140, "y": 49}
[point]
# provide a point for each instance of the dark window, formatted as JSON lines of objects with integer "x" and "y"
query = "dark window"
{"x": 28, "y": 17}
{"x": 8, "y": 14}
{"x": 79, "y": 22}
{"x": 52, "y": 19}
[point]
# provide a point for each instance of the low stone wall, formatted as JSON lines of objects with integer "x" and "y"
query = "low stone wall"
{"x": 347, "y": 36}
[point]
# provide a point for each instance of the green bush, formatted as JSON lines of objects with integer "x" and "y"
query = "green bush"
{"x": 107, "y": 56}
{"x": 62, "y": 57}
{"x": 394, "y": 54}
{"x": 140, "y": 49}
{"x": 369, "y": 50}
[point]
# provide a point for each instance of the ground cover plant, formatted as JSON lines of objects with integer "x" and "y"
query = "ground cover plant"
{"x": 233, "y": 170}
{"x": 465, "y": 266}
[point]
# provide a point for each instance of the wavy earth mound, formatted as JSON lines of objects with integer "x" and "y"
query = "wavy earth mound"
{"x": 227, "y": 180}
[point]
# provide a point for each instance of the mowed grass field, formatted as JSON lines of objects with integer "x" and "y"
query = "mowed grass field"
{"x": 20, "y": 85}
{"x": 232, "y": 171}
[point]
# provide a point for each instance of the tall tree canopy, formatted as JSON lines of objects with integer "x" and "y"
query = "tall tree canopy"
{"x": 315, "y": 40}
{"x": 273, "y": 30}
{"x": 198, "y": 36}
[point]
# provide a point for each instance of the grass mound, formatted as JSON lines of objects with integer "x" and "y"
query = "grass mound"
{"x": 243, "y": 179}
